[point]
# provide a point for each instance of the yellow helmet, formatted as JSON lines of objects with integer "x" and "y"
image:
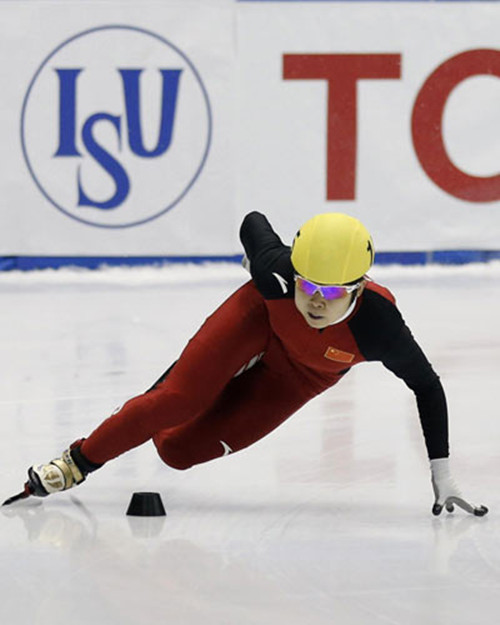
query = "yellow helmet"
{"x": 332, "y": 248}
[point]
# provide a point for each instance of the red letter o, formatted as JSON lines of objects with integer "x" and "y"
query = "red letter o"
{"x": 427, "y": 126}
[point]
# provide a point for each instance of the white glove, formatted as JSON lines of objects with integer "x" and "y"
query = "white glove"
{"x": 446, "y": 491}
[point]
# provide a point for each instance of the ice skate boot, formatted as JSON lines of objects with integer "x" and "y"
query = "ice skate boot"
{"x": 58, "y": 475}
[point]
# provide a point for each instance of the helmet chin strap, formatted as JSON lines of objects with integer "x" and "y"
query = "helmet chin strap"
{"x": 347, "y": 312}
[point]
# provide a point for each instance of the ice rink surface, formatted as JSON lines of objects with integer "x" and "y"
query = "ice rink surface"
{"x": 325, "y": 521}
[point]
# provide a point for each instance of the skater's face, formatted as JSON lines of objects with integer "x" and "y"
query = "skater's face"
{"x": 320, "y": 312}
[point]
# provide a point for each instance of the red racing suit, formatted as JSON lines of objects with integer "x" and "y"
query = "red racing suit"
{"x": 255, "y": 362}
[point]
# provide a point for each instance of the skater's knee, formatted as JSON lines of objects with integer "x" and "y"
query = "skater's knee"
{"x": 180, "y": 466}
{"x": 189, "y": 445}
{"x": 173, "y": 456}
{"x": 175, "y": 460}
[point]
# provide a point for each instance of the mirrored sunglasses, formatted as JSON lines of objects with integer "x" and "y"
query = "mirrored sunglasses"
{"x": 328, "y": 292}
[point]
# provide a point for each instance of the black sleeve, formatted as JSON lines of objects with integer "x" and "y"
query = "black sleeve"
{"x": 269, "y": 258}
{"x": 383, "y": 335}
{"x": 406, "y": 360}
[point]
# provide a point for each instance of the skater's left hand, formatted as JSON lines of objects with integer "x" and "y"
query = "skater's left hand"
{"x": 446, "y": 492}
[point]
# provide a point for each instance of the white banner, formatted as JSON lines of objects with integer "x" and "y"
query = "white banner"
{"x": 117, "y": 127}
{"x": 151, "y": 128}
{"x": 387, "y": 111}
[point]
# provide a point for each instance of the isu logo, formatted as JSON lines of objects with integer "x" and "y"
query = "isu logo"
{"x": 116, "y": 126}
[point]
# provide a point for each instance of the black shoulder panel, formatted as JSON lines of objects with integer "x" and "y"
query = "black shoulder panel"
{"x": 375, "y": 325}
{"x": 382, "y": 334}
{"x": 270, "y": 264}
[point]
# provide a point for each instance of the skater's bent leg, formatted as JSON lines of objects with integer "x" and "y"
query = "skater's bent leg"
{"x": 135, "y": 423}
{"x": 251, "y": 407}
{"x": 234, "y": 335}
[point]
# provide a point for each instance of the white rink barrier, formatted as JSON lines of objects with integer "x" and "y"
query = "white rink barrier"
{"x": 143, "y": 131}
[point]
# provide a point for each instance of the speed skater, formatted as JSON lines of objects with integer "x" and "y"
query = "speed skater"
{"x": 308, "y": 315}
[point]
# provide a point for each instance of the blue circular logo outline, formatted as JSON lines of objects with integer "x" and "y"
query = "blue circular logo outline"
{"x": 203, "y": 159}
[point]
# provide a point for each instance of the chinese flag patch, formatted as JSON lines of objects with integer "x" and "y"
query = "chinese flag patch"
{"x": 332, "y": 353}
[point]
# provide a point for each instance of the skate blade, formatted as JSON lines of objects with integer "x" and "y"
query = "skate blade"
{"x": 24, "y": 495}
